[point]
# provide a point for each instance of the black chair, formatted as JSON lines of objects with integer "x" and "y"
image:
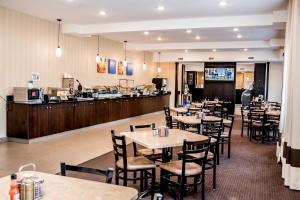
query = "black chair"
{"x": 225, "y": 137}
{"x": 245, "y": 122}
{"x": 151, "y": 154}
{"x": 188, "y": 167}
{"x": 108, "y": 173}
{"x": 170, "y": 124}
{"x": 124, "y": 165}
{"x": 218, "y": 110}
{"x": 174, "y": 123}
{"x": 213, "y": 129}
{"x": 258, "y": 122}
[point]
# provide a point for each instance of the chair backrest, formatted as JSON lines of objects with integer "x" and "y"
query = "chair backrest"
{"x": 169, "y": 122}
{"x": 218, "y": 109}
{"x": 212, "y": 128}
{"x": 167, "y": 111}
{"x": 143, "y": 126}
{"x": 242, "y": 113}
{"x": 108, "y": 173}
{"x": 195, "y": 147}
{"x": 133, "y": 128}
{"x": 229, "y": 126}
{"x": 119, "y": 145}
{"x": 257, "y": 115}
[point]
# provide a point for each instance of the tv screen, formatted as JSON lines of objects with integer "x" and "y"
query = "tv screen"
{"x": 219, "y": 74}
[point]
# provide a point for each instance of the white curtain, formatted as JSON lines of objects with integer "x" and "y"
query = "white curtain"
{"x": 290, "y": 114}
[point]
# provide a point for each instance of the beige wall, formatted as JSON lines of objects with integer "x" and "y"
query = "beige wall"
{"x": 168, "y": 71}
{"x": 275, "y": 81}
{"x": 28, "y": 45}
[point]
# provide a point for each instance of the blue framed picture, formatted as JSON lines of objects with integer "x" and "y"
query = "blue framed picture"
{"x": 112, "y": 66}
{"x": 129, "y": 69}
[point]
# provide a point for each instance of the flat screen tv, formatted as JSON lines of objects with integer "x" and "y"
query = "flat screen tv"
{"x": 219, "y": 74}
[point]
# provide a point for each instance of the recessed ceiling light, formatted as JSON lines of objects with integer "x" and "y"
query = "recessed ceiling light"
{"x": 188, "y": 31}
{"x": 102, "y": 12}
{"x": 146, "y": 32}
{"x": 159, "y": 38}
{"x": 70, "y": 0}
{"x": 245, "y": 49}
{"x": 197, "y": 37}
{"x": 214, "y": 50}
{"x": 186, "y": 50}
{"x": 222, "y": 3}
{"x": 239, "y": 36}
{"x": 161, "y": 8}
{"x": 235, "y": 29}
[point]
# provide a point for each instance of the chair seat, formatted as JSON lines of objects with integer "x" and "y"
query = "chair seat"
{"x": 148, "y": 152}
{"x": 260, "y": 124}
{"x": 246, "y": 120}
{"x": 191, "y": 129}
{"x": 136, "y": 163}
{"x": 175, "y": 167}
{"x": 213, "y": 140}
{"x": 273, "y": 121}
{"x": 210, "y": 155}
{"x": 223, "y": 135}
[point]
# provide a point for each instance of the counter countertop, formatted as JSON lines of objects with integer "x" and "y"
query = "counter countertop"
{"x": 76, "y": 101}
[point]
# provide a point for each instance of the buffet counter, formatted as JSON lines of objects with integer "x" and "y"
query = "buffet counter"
{"x": 29, "y": 121}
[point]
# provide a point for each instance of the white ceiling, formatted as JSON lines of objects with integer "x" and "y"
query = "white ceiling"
{"x": 206, "y": 35}
{"x": 86, "y": 11}
{"x": 256, "y": 19}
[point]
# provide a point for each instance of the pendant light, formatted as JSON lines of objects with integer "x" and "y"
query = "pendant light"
{"x": 144, "y": 65}
{"x": 125, "y": 60}
{"x": 158, "y": 69}
{"x": 58, "y": 49}
{"x": 98, "y": 59}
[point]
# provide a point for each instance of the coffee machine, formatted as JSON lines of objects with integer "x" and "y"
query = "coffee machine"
{"x": 161, "y": 84}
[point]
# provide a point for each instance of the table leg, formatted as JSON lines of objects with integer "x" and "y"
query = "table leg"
{"x": 166, "y": 157}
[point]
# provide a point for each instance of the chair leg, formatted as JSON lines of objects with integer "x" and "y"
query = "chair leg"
{"x": 146, "y": 180}
{"x": 195, "y": 184}
{"x": 242, "y": 132}
{"x": 214, "y": 173}
{"x": 117, "y": 177}
{"x": 182, "y": 187}
{"x": 203, "y": 187}
{"x": 153, "y": 183}
{"x": 134, "y": 176}
{"x": 218, "y": 153}
{"x": 141, "y": 181}
{"x": 125, "y": 178}
{"x": 222, "y": 146}
{"x": 229, "y": 145}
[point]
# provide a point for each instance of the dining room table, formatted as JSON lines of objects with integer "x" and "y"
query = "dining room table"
{"x": 151, "y": 140}
{"x": 193, "y": 120}
{"x": 175, "y": 138}
{"x": 185, "y": 110}
{"x": 56, "y": 187}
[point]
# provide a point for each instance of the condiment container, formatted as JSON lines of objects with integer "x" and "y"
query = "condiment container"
{"x": 27, "y": 188}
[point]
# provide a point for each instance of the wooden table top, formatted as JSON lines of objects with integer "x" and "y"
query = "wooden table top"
{"x": 194, "y": 120}
{"x": 271, "y": 113}
{"x": 175, "y": 138}
{"x": 200, "y": 105}
{"x": 185, "y": 109}
{"x": 57, "y": 187}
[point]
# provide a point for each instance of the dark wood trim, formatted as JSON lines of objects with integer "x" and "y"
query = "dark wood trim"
{"x": 182, "y": 80}
{"x": 267, "y": 81}
{"x": 176, "y": 84}
{"x": 291, "y": 155}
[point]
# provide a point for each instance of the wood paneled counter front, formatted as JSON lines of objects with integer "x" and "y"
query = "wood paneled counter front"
{"x": 25, "y": 121}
